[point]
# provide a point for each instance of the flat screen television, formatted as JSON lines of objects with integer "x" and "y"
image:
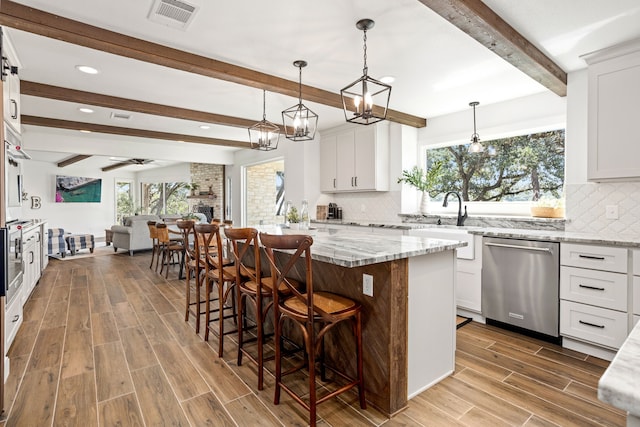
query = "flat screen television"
{"x": 75, "y": 189}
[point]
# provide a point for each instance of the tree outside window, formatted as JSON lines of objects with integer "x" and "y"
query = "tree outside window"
{"x": 519, "y": 168}
{"x": 165, "y": 198}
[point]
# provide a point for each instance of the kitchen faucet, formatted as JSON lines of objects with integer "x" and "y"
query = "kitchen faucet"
{"x": 461, "y": 217}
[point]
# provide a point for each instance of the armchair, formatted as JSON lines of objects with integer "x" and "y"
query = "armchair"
{"x": 134, "y": 234}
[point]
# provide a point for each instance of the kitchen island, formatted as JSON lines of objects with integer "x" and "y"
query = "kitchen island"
{"x": 618, "y": 386}
{"x": 408, "y": 323}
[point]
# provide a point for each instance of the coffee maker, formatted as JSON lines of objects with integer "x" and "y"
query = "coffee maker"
{"x": 334, "y": 211}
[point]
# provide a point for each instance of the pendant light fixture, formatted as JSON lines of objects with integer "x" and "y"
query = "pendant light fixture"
{"x": 299, "y": 122}
{"x": 264, "y": 135}
{"x": 475, "y": 146}
{"x": 366, "y": 100}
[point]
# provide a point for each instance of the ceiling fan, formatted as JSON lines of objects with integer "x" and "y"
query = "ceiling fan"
{"x": 126, "y": 163}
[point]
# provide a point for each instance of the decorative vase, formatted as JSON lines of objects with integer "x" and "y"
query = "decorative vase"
{"x": 424, "y": 203}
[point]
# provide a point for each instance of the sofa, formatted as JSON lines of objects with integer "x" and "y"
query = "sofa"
{"x": 133, "y": 235}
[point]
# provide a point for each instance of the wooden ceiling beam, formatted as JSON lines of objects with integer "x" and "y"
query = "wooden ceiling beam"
{"x": 89, "y": 98}
{"x": 485, "y": 26}
{"x": 114, "y": 130}
{"x": 46, "y": 24}
{"x": 72, "y": 160}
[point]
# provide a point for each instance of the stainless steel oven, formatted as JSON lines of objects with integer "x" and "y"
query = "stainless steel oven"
{"x": 13, "y": 266}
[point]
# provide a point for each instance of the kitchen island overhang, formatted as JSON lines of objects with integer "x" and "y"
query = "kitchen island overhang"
{"x": 408, "y": 324}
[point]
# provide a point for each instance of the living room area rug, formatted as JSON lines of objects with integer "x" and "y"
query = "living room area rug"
{"x": 99, "y": 250}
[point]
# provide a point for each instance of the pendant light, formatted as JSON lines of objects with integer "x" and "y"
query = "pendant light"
{"x": 363, "y": 99}
{"x": 264, "y": 135}
{"x": 475, "y": 146}
{"x": 299, "y": 122}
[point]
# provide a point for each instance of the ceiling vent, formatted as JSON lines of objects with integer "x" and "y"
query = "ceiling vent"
{"x": 120, "y": 116}
{"x": 172, "y": 13}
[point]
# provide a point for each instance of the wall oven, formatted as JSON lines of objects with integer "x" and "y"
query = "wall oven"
{"x": 12, "y": 266}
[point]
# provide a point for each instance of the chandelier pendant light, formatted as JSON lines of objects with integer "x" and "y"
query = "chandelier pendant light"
{"x": 475, "y": 146}
{"x": 366, "y": 100}
{"x": 264, "y": 135}
{"x": 299, "y": 122}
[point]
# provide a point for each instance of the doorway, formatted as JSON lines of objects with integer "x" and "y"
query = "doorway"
{"x": 264, "y": 193}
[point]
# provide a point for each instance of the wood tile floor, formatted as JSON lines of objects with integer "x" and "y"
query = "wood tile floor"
{"x": 104, "y": 342}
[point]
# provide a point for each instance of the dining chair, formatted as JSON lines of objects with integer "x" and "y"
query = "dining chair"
{"x": 315, "y": 313}
{"x": 168, "y": 246}
{"x": 155, "y": 249}
{"x": 218, "y": 271}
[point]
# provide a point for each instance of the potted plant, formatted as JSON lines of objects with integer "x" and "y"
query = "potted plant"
{"x": 424, "y": 181}
{"x": 293, "y": 218}
{"x": 193, "y": 187}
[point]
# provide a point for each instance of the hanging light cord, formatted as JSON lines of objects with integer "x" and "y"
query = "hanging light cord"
{"x": 300, "y": 86}
{"x": 474, "y": 121}
{"x": 365, "y": 69}
{"x": 264, "y": 105}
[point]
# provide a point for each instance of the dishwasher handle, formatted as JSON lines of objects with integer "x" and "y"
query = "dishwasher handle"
{"x": 528, "y": 248}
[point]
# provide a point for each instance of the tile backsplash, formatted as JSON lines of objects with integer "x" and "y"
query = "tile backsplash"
{"x": 586, "y": 204}
{"x": 371, "y": 206}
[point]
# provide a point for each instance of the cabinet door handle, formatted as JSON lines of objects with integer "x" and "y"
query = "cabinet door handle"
{"x": 591, "y": 324}
{"x": 14, "y": 104}
{"x": 598, "y": 258}
{"x": 356, "y": 181}
{"x": 334, "y": 183}
{"x": 15, "y": 318}
{"x": 595, "y": 288}
{"x": 352, "y": 181}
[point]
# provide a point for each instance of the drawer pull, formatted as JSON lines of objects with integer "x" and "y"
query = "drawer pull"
{"x": 591, "y": 324}
{"x": 598, "y": 258}
{"x": 595, "y": 288}
{"x": 15, "y": 318}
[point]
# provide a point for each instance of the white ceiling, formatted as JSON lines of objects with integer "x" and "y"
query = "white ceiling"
{"x": 438, "y": 68}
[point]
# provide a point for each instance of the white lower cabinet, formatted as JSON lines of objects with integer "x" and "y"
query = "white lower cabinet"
{"x": 594, "y": 294}
{"x": 594, "y": 324}
{"x": 12, "y": 320}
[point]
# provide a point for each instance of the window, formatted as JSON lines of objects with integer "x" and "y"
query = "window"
{"x": 124, "y": 199}
{"x": 165, "y": 198}
{"x": 516, "y": 169}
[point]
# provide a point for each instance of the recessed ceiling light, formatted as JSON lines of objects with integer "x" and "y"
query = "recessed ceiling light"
{"x": 85, "y": 110}
{"x": 205, "y": 127}
{"x": 85, "y": 131}
{"x": 86, "y": 69}
{"x": 387, "y": 79}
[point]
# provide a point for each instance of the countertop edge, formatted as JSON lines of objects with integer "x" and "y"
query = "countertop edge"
{"x": 618, "y": 386}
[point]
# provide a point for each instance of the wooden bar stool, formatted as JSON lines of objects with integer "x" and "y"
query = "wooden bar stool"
{"x": 193, "y": 264}
{"x": 315, "y": 313}
{"x": 252, "y": 287}
{"x": 218, "y": 271}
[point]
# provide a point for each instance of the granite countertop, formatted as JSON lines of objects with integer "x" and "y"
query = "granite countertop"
{"x": 352, "y": 249}
{"x": 618, "y": 386}
{"x": 559, "y": 236}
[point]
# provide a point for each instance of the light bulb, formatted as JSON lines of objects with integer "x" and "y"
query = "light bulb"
{"x": 368, "y": 102}
{"x": 356, "y": 101}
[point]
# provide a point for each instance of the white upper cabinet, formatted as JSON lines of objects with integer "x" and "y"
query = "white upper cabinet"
{"x": 355, "y": 159}
{"x": 11, "y": 87}
{"x": 614, "y": 108}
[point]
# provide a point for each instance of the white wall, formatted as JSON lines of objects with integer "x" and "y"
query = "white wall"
{"x": 78, "y": 218}
{"x": 535, "y": 113}
{"x": 90, "y": 218}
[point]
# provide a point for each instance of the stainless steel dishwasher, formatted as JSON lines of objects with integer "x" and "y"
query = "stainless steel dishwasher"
{"x": 520, "y": 284}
